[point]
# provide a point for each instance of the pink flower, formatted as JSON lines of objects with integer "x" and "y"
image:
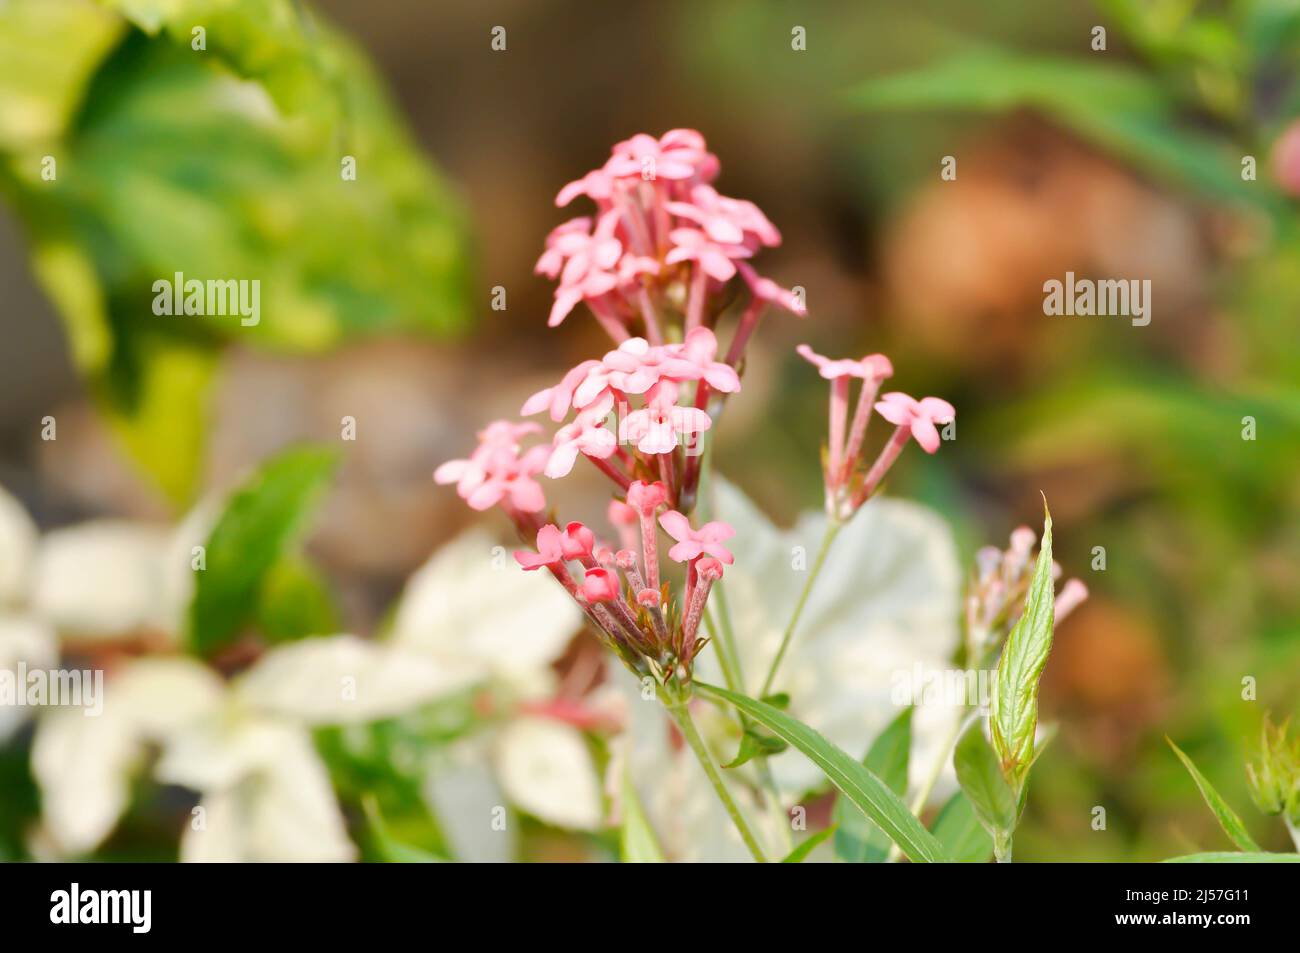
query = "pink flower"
{"x": 726, "y": 221}
{"x": 1072, "y": 594}
{"x": 692, "y": 543}
{"x": 646, "y": 497}
{"x": 600, "y": 585}
{"x": 622, "y": 514}
{"x": 588, "y": 435}
{"x": 765, "y": 289}
{"x": 559, "y": 398}
{"x": 676, "y": 156}
{"x": 497, "y": 470}
{"x": 633, "y": 368}
{"x": 872, "y": 367}
{"x": 920, "y": 415}
{"x": 550, "y": 549}
{"x": 709, "y": 568}
{"x": 577, "y": 541}
{"x": 691, "y": 244}
{"x": 597, "y": 185}
{"x": 588, "y": 259}
{"x": 699, "y": 349}
{"x": 658, "y": 427}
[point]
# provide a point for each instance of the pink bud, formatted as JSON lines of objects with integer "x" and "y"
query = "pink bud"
{"x": 620, "y": 514}
{"x": 1072, "y": 594}
{"x": 646, "y": 497}
{"x": 648, "y": 598}
{"x": 577, "y": 541}
{"x": 708, "y": 568}
{"x": 600, "y": 585}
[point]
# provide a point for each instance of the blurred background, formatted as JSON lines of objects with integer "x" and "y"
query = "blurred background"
{"x": 1122, "y": 162}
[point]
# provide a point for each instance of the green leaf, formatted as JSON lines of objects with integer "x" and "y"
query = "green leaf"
{"x": 261, "y": 521}
{"x": 871, "y": 795}
{"x": 235, "y": 153}
{"x": 1114, "y": 106}
{"x": 961, "y": 832}
{"x": 294, "y": 602}
{"x": 800, "y": 853}
{"x": 755, "y": 744}
{"x": 389, "y": 848}
{"x": 1230, "y": 857}
{"x": 637, "y": 841}
{"x": 981, "y": 778}
{"x": 1013, "y": 716}
{"x": 1228, "y": 818}
{"x": 858, "y": 840}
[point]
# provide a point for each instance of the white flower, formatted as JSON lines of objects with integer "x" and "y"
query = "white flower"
{"x": 546, "y": 769}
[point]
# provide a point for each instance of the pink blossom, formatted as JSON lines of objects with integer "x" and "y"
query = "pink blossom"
{"x": 699, "y": 349}
{"x": 691, "y": 244}
{"x": 725, "y": 220}
{"x": 676, "y": 156}
{"x": 559, "y": 244}
{"x": 872, "y": 367}
{"x": 660, "y": 425}
{"x": 597, "y": 185}
{"x": 708, "y": 568}
{"x": 622, "y": 514}
{"x": 920, "y": 415}
{"x": 765, "y": 289}
{"x": 633, "y": 367}
{"x": 646, "y": 497}
{"x": 600, "y": 585}
{"x": 587, "y": 435}
{"x": 497, "y": 469}
{"x": 588, "y": 259}
{"x": 577, "y": 541}
{"x": 692, "y": 543}
{"x": 550, "y": 549}
{"x": 1072, "y": 594}
{"x": 559, "y": 398}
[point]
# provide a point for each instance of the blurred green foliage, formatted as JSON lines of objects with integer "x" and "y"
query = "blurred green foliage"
{"x": 224, "y": 162}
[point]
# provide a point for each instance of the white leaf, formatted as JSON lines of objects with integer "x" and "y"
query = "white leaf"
{"x": 887, "y": 599}
{"x": 17, "y": 546}
{"x": 469, "y": 606}
{"x": 546, "y": 769}
{"x": 341, "y": 679}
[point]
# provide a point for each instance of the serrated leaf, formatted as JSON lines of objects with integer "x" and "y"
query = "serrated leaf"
{"x": 637, "y": 841}
{"x": 981, "y": 778}
{"x": 871, "y": 795}
{"x": 800, "y": 853}
{"x": 1013, "y": 715}
{"x": 261, "y": 521}
{"x": 858, "y": 840}
{"x": 961, "y": 833}
{"x": 1231, "y": 857}
{"x": 1228, "y": 819}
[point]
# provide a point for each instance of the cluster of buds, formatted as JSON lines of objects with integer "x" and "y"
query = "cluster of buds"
{"x": 621, "y": 590}
{"x": 995, "y": 598}
{"x": 849, "y": 482}
{"x": 1275, "y": 777}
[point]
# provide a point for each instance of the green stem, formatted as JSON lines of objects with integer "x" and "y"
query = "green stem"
{"x": 1294, "y": 830}
{"x": 1002, "y": 846}
{"x": 681, "y": 714}
{"x": 832, "y": 530}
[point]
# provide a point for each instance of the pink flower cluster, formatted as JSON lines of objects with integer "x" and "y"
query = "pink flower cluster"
{"x": 661, "y": 235}
{"x": 914, "y": 419}
{"x": 620, "y": 589}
